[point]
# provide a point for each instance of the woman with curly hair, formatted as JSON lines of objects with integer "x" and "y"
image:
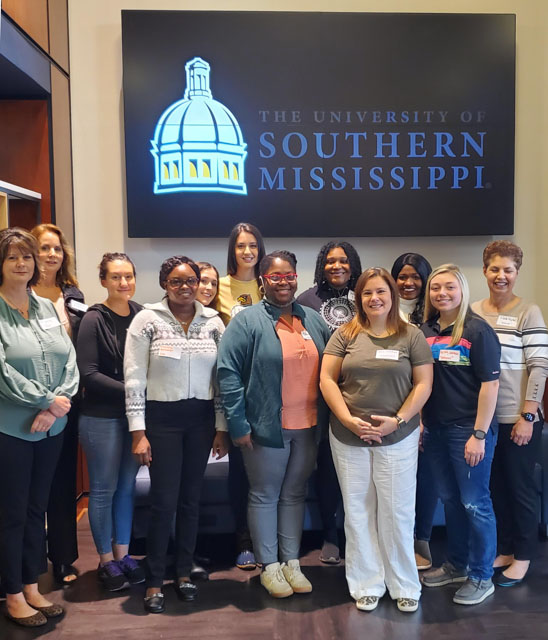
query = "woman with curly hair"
{"x": 170, "y": 383}
{"x": 338, "y": 268}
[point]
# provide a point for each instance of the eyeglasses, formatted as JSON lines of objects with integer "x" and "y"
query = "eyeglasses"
{"x": 177, "y": 283}
{"x": 276, "y": 278}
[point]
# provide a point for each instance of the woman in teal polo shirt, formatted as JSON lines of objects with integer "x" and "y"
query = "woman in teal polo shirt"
{"x": 38, "y": 376}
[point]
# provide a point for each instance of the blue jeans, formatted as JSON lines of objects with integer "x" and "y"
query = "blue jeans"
{"x": 427, "y": 499}
{"x": 112, "y": 470}
{"x": 464, "y": 491}
{"x": 277, "y": 490}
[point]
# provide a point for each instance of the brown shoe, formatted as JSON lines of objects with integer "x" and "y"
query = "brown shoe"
{"x": 51, "y": 611}
{"x": 37, "y": 619}
{"x": 422, "y": 563}
{"x": 423, "y": 557}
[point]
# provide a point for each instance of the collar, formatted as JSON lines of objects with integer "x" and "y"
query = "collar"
{"x": 200, "y": 310}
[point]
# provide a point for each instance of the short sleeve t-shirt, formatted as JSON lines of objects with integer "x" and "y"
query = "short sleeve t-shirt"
{"x": 459, "y": 371}
{"x": 376, "y": 378}
{"x": 235, "y": 295}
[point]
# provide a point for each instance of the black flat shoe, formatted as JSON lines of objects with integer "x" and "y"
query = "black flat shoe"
{"x": 62, "y": 573}
{"x": 198, "y": 572}
{"x": 186, "y": 591}
{"x": 154, "y": 603}
{"x": 504, "y": 581}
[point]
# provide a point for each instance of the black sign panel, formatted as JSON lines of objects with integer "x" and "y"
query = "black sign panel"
{"x": 318, "y": 124}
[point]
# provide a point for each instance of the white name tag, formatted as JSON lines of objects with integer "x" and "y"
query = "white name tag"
{"x": 306, "y": 335}
{"x": 170, "y": 352}
{"x": 49, "y": 323}
{"x": 78, "y": 306}
{"x": 507, "y": 321}
{"x": 387, "y": 354}
{"x": 448, "y": 355}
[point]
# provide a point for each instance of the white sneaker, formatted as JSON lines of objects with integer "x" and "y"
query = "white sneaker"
{"x": 407, "y": 605}
{"x": 274, "y": 582}
{"x": 296, "y": 578}
{"x": 367, "y": 603}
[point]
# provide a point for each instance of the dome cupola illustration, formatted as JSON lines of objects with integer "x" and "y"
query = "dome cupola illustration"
{"x": 198, "y": 144}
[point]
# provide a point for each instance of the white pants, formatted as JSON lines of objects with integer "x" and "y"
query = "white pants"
{"x": 378, "y": 489}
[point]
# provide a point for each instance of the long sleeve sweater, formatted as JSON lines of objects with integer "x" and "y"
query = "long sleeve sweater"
{"x": 163, "y": 363}
{"x": 524, "y": 358}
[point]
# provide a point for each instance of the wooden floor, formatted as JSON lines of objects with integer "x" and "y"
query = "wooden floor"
{"x": 233, "y": 605}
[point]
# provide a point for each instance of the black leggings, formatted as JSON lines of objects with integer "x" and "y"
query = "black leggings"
{"x": 180, "y": 434}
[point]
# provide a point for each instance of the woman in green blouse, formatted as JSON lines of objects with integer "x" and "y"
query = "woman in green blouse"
{"x": 38, "y": 376}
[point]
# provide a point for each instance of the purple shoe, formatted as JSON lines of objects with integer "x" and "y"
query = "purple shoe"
{"x": 132, "y": 570}
{"x": 112, "y": 576}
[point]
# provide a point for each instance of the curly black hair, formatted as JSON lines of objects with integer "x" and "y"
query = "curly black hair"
{"x": 175, "y": 261}
{"x": 283, "y": 255}
{"x": 353, "y": 260}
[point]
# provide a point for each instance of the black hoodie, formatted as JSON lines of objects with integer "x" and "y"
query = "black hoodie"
{"x": 101, "y": 363}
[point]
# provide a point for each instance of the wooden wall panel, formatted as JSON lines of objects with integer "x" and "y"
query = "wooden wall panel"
{"x": 32, "y": 17}
{"x": 58, "y": 32}
{"x": 24, "y": 148}
{"x": 62, "y": 152}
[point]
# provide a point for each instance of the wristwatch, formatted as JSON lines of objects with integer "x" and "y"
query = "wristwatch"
{"x": 479, "y": 434}
{"x": 399, "y": 420}
{"x": 529, "y": 417}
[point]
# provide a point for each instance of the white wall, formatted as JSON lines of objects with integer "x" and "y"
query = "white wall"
{"x": 98, "y": 149}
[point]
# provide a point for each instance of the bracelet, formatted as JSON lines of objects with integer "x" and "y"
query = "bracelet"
{"x": 399, "y": 420}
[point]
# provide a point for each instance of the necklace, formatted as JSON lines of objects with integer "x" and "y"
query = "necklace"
{"x": 24, "y": 312}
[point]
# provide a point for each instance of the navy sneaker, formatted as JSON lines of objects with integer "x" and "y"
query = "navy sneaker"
{"x": 132, "y": 570}
{"x": 112, "y": 576}
{"x": 246, "y": 560}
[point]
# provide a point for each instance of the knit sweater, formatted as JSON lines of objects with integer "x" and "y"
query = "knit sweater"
{"x": 163, "y": 363}
{"x": 524, "y": 359}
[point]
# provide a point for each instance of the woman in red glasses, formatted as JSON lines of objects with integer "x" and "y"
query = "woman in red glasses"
{"x": 268, "y": 371}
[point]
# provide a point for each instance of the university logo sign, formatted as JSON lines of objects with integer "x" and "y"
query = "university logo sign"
{"x": 198, "y": 144}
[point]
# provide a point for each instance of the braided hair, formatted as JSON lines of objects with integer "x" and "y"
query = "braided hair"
{"x": 353, "y": 260}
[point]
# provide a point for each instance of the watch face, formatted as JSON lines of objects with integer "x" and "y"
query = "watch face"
{"x": 479, "y": 434}
{"x": 530, "y": 417}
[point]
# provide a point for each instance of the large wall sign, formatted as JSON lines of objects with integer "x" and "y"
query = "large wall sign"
{"x": 318, "y": 124}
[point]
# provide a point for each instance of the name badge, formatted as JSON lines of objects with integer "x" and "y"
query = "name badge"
{"x": 387, "y": 354}
{"x": 49, "y": 323}
{"x": 448, "y": 355}
{"x": 78, "y": 306}
{"x": 507, "y": 321}
{"x": 170, "y": 352}
{"x": 306, "y": 335}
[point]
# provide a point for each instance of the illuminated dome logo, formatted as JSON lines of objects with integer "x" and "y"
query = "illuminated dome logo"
{"x": 198, "y": 144}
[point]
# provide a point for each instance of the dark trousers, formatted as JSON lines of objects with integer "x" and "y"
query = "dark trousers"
{"x": 427, "y": 499}
{"x": 238, "y": 490}
{"x": 26, "y": 473}
{"x": 329, "y": 492}
{"x": 514, "y": 493}
{"x": 62, "y": 539}
{"x": 180, "y": 434}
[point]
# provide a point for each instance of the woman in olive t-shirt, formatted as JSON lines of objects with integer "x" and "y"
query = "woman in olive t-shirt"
{"x": 376, "y": 376}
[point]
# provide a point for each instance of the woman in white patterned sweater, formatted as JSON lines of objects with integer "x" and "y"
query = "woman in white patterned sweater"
{"x": 523, "y": 337}
{"x": 170, "y": 373}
